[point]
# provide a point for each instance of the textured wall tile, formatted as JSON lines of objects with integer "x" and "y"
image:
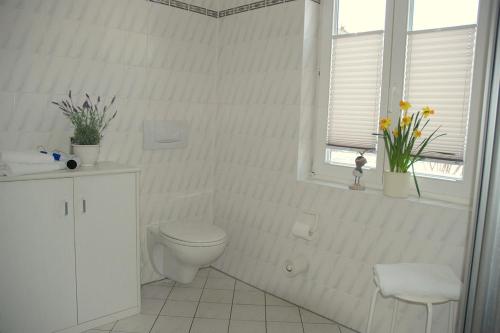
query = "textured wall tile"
{"x": 245, "y": 107}
{"x": 266, "y": 80}
{"x": 160, "y": 68}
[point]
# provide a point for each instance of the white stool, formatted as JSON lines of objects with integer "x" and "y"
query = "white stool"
{"x": 416, "y": 283}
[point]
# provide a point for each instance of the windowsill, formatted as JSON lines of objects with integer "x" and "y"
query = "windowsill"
{"x": 429, "y": 199}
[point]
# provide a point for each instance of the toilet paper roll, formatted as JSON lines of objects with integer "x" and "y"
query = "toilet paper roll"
{"x": 295, "y": 266}
{"x": 302, "y": 230}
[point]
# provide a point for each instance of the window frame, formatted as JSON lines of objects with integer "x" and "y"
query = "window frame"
{"x": 398, "y": 14}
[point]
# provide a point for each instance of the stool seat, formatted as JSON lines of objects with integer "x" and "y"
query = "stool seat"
{"x": 426, "y": 283}
{"x": 418, "y": 283}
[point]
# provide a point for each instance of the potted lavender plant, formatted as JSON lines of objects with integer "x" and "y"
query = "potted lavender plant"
{"x": 89, "y": 121}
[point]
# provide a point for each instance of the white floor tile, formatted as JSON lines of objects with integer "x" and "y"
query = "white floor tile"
{"x": 179, "y": 309}
{"x": 185, "y": 294}
{"x": 249, "y": 297}
{"x": 136, "y": 324}
{"x": 243, "y": 286}
{"x": 321, "y": 328}
{"x": 217, "y": 274}
{"x": 95, "y": 331}
{"x": 106, "y": 327}
{"x": 283, "y": 314}
{"x": 151, "y": 306}
{"x": 166, "y": 324}
{"x": 198, "y": 282}
{"x": 203, "y": 272}
{"x": 164, "y": 282}
{"x": 312, "y": 318}
{"x": 239, "y": 326}
{"x": 272, "y": 300}
{"x": 203, "y": 325}
{"x": 213, "y": 310}
{"x": 155, "y": 291}
{"x": 217, "y": 296}
{"x": 284, "y": 327}
{"x": 217, "y": 283}
{"x": 248, "y": 312}
{"x": 218, "y": 303}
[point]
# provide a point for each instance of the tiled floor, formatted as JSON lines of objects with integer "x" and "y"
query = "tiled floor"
{"x": 217, "y": 303}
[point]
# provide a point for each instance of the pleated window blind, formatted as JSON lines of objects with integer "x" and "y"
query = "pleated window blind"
{"x": 355, "y": 86}
{"x": 438, "y": 73}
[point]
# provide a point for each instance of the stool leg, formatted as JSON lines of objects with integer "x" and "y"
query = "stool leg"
{"x": 394, "y": 314}
{"x": 428, "y": 326}
{"x": 372, "y": 309}
{"x": 451, "y": 322}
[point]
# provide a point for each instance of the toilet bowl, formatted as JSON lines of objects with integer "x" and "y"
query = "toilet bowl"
{"x": 178, "y": 249}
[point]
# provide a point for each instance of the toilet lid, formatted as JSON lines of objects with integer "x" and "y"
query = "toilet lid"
{"x": 193, "y": 232}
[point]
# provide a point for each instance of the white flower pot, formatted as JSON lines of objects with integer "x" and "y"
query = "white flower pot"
{"x": 88, "y": 154}
{"x": 396, "y": 184}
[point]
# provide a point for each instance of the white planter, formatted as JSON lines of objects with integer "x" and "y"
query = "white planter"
{"x": 396, "y": 184}
{"x": 88, "y": 154}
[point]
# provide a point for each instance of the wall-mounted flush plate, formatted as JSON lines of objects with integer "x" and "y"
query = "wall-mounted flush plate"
{"x": 165, "y": 134}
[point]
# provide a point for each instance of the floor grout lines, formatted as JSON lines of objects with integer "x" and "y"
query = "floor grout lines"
{"x": 158, "y": 315}
{"x": 232, "y": 303}
{"x": 199, "y": 301}
{"x": 211, "y": 305}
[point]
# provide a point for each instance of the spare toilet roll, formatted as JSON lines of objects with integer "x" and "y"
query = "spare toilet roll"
{"x": 295, "y": 266}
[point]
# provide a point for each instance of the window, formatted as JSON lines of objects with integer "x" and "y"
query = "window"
{"x": 376, "y": 52}
{"x": 355, "y": 81}
{"x": 438, "y": 72}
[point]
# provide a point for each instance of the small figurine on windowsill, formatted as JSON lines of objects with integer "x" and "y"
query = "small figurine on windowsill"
{"x": 358, "y": 173}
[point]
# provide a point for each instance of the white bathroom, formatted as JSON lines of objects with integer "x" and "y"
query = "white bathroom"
{"x": 244, "y": 166}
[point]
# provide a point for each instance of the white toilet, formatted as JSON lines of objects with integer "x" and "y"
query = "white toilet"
{"x": 178, "y": 249}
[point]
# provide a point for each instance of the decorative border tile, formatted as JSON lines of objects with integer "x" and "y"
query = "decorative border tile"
{"x": 179, "y": 4}
{"x": 273, "y": 2}
{"x": 197, "y": 9}
{"x": 257, "y": 5}
{"x": 212, "y": 13}
{"x": 225, "y": 12}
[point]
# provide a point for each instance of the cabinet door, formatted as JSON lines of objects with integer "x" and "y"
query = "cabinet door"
{"x": 106, "y": 245}
{"x": 37, "y": 256}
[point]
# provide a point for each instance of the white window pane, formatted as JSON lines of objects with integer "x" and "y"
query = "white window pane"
{"x": 431, "y": 14}
{"x": 346, "y": 157}
{"x": 438, "y": 74}
{"x": 355, "y": 84}
{"x": 439, "y": 169}
{"x": 360, "y": 16}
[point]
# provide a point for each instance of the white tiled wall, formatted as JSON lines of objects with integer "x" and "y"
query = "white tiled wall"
{"x": 159, "y": 61}
{"x": 264, "y": 89}
{"x": 162, "y": 63}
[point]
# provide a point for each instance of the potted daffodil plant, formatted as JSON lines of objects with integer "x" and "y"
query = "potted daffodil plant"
{"x": 405, "y": 145}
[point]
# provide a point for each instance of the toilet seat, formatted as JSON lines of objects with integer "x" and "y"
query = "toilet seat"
{"x": 192, "y": 233}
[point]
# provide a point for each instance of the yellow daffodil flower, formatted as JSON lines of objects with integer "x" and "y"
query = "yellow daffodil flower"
{"x": 385, "y": 123}
{"x": 417, "y": 133}
{"x": 406, "y": 121}
{"x": 427, "y": 111}
{"x": 404, "y": 105}
{"x": 395, "y": 132}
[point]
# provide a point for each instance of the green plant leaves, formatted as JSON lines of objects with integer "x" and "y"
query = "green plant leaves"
{"x": 89, "y": 120}
{"x": 400, "y": 148}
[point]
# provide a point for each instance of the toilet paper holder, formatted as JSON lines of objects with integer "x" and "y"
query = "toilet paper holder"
{"x": 305, "y": 225}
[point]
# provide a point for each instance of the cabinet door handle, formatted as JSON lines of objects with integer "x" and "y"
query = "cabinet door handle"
{"x": 84, "y": 206}
{"x": 65, "y": 208}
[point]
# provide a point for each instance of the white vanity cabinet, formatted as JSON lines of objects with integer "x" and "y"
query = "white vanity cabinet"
{"x": 69, "y": 253}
